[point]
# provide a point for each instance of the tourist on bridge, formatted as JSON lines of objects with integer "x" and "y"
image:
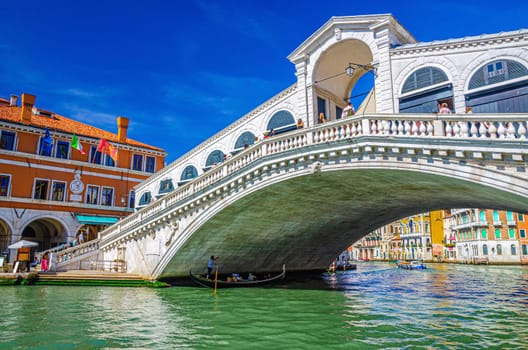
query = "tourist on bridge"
{"x": 444, "y": 109}
{"x": 348, "y": 110}
{"x": 300, "y": 123}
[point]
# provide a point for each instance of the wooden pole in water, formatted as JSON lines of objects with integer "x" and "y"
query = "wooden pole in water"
{"x": 216, "y": 280}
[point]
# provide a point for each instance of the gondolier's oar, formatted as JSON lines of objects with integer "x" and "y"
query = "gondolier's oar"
{"x": 216, "y": 280}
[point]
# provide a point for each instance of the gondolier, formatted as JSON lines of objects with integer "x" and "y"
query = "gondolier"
{"x": 210, "y": 264}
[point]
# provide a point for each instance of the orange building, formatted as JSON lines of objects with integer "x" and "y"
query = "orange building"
{"x": 50, "y": 191}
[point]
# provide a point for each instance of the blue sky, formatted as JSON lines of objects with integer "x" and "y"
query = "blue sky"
{"x": 183, "y": 70}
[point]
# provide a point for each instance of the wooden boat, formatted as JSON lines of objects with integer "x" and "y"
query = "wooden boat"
{"x": 342, "y": 267}
{"x": 210, "y": 283}
{"x": 411, "y": 265}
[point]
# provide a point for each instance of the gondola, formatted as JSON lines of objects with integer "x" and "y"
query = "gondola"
{"x": 210, "y": 283}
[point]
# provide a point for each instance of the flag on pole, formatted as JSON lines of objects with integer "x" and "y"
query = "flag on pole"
{"x": 108, "y": 148}
{"x": 76, "y": 144}
{"x": 46, "y": 145}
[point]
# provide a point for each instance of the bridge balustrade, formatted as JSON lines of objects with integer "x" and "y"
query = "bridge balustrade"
{"x": 469, "y": 126}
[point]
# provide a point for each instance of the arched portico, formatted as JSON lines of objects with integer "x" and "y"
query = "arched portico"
{"x": 47, "y": 232}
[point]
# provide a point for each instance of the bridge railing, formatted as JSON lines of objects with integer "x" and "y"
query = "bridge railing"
{"x": 469, "y": 126}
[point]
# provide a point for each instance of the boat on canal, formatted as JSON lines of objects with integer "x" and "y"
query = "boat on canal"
{"x": 411, "y": 265}
{"x": 234, "y": 282}
{"x": 345, "y": 266}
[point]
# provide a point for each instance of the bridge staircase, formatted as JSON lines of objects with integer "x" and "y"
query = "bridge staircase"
{"x": 66, "y": 258}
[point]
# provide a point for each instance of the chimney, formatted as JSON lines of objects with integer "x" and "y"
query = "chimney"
{"x": 122, "y": 127}
{"x": 13, "y": 100}
{"x": 27, "y": 106}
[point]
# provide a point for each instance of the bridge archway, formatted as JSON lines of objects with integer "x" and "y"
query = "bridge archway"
{"x": 333, "y": 87}
{"x": 324, "y": 213}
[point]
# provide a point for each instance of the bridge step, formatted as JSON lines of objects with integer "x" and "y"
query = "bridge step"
{"x": 95, "y": 278}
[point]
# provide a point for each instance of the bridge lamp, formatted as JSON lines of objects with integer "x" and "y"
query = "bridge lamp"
{"x": 352, "y": 67}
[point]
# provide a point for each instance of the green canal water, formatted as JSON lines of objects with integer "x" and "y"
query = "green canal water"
{"x": 375, "y": 307}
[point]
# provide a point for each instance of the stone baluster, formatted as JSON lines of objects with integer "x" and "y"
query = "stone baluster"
{"x": 414, "y": 129}
{"x": 511, "y": 130}
{"x": 456, "y": 130}
{"x": 400, "y": 128}
{"x": 373, "y": 127}
{"x": 501, "y": 131}
{"x": 493, "y": 131}
{"x": 359, "y": 128}
{"x": 448, "y": 129}
{"x": 386, "y": 127}
{"x": 463, "y": 129}
{"x": 407, "y": 127}
{"x": 353, "y": 130}
{"x": 430, "y": 129}
{"x": 394, "y": 127}
{"x": 473, "y": 130}
{"x": 521, "y": 131}
{"x": 331, "y": 133}
{"x": 483, "y": 129}
{"x": 422, "y": 129}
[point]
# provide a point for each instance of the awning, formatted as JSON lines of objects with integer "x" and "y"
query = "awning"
{"x": 96, "y": 220}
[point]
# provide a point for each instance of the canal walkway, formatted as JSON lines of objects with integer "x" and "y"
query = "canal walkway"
{"x": 77, "y": 277}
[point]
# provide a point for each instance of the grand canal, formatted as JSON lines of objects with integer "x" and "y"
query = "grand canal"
{"x": 376, "y": 306}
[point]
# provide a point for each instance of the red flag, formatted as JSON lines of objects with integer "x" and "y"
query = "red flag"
{"x": 108, "y": 148}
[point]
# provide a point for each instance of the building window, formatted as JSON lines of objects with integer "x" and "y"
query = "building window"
{"x": 137, "y": 162}
{"x": 5, "y": 180}
{"x": 245, "y": 140}
{"x": 482, "y": 215}
{"x": 525, "y": 249}
{"x": 513, "y": 249}
{"x": 109, "y": 161}
{"x": 166, "y": 186}
{"x": 7, "y": 140}
{"x": 496, "y": 68}
{"x": 58, "y": 191}
{"x": 46, "y": 146}
{"x": 484, "y": 234}
{"x": 520, "y": 217}
{"x": 499, "y": 249}
{"x": 485, "y": 249}
{"x": 511, "y": 233}
{"x": 150, "y": 163}
{"x": 107, "y": 196}
{"x": 339, "y": 112}
{"x": 95, "y": 156}
{"x": 41, "y": 189}
{"x": 92, "y": 194}
{"x": 495, "y": 215}
{"x": 62, "y": 149}
{"x": 132, "y": 199}
{"x": 509, "y": 216}
{"x": 522, "y": 233}
{"x": 145, "y": 199}
{"x": 321, "y": 108}
{"x": 497, "y": 233}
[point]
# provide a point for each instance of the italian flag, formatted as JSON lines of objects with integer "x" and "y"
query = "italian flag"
{"x": 76, "y": 144}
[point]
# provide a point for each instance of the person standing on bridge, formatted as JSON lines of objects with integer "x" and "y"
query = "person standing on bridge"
{"x": 210, "y": 264}
{"x": 348, "y": 110}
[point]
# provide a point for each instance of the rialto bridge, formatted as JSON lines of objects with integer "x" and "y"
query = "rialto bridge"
{"x": 301, "y": 196}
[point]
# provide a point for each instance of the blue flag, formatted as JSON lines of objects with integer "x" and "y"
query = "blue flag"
{"x": 46, "y": 144}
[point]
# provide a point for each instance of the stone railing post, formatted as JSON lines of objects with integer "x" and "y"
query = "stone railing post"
{"x": 365, "y": 126}
{"x": 438, "y": 126}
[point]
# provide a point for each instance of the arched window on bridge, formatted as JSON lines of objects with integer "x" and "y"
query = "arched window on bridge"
{"x": 214, "y": 158}
{"x": 424, "y": 89}
{"x": 145, "y": 199}
{"x": 165, "y": 186}
{"x": 282, "y": 121}
{"x": 243, "y": 141}
{"x": 188, "y": 174}
{"x": 500, "y": 86}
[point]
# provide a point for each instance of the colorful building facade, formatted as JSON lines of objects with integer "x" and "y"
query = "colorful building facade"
{"x": 60, "y": 177}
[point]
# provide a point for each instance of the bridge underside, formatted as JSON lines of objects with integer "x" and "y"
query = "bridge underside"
{"x": 305, "y": 222}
